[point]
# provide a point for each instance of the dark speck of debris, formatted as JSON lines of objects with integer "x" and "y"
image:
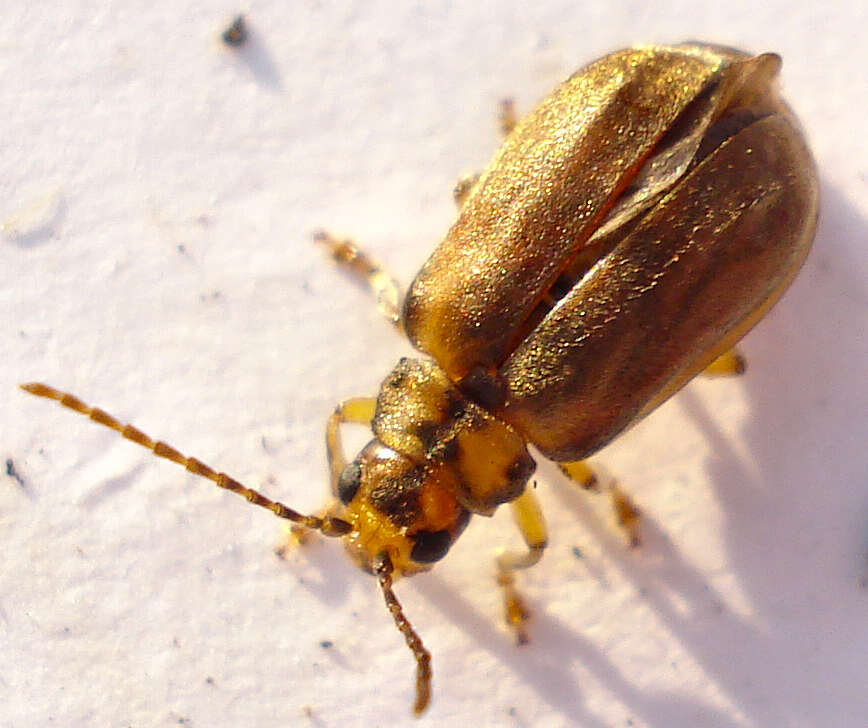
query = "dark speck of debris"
{"x": 13, "y": 473}
{"x": 577, "y": 552}
{"x": 325, "y": 644}
{"x": 236, "y": 33}
{"x": 209, "y": 680}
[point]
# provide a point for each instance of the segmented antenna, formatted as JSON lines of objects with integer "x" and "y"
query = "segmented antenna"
{"x": 383, "y": 569}
{"x": 328, "y": 525}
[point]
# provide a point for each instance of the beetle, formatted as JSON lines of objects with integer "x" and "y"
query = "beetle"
{"x": 626, "y": 235}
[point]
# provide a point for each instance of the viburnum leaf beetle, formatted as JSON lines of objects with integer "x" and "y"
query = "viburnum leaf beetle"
{"x": 627, "y": 234}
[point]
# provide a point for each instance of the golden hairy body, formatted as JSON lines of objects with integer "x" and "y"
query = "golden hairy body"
{"x": 629, "y": 231}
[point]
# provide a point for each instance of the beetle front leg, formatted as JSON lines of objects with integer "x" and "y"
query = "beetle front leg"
{"x": 531, "y": 524}
{"x": 357, "y": 411}
{"x": 626, "y": 513}
{"x": 383, "y": 285}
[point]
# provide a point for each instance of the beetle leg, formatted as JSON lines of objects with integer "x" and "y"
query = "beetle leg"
{"x": 383, "y": 285}
{"x": 462, "y": 188}
{"x": 580, "y": 472}
{"x": 507, "y": 120}
{"x": 626, "y": 513}
{"x": 358, "y": 411}
{"x": 730, "y": 363}
{"x": 507, "y": 117}
{"x": 531, "y": 524}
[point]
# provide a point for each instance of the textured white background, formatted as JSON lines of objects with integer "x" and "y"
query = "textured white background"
{"x": 157, "y": 196}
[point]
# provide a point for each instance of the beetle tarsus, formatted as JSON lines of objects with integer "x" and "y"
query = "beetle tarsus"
{"x": 515, "y": 610}
{"x": 627, "y": 515}
{"x": 530, "y": 521}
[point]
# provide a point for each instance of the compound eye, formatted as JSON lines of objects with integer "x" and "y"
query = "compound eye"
{"x": 430, "y": 546}
{"x": 349, "y": 482}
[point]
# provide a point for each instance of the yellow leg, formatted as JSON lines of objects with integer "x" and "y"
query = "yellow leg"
{"x": 626, "y": 513}
{"x": 385, "y": 288}
{"x": 728, "y": 364}
{"x": 357, "y": 411}
{"x": 532, "y": 526}
{"x": 507, "y": 117}
{"x": 580, "y": 472}
{"x": 507, "y": 120}
{"x": 462, "y": 188}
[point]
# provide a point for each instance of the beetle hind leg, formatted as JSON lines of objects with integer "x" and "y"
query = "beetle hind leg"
{"x": 531, "y": 524}
{"x": 729, "y": 364}
{"x": 627, "y": 515}
{"x": 386, "y": 290}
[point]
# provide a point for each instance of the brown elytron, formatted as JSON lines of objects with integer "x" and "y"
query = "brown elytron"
{"x": 629, "y": 231}
{"x": 681, "y": 180}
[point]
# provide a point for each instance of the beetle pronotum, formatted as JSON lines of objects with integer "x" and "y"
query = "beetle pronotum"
{"x": 627, "y": 234}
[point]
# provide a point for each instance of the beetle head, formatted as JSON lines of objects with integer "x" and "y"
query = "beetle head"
{"x": 397, "y": 506}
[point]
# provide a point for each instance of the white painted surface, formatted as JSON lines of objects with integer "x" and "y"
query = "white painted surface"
{"x": 159, "y": 192}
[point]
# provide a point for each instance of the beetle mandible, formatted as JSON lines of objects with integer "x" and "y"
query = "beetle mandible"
{"x": 626, "y": 235}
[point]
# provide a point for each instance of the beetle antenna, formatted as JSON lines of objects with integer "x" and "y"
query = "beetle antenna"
{"x": 327, "y": 525}
{"x": 383, "y": 569}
